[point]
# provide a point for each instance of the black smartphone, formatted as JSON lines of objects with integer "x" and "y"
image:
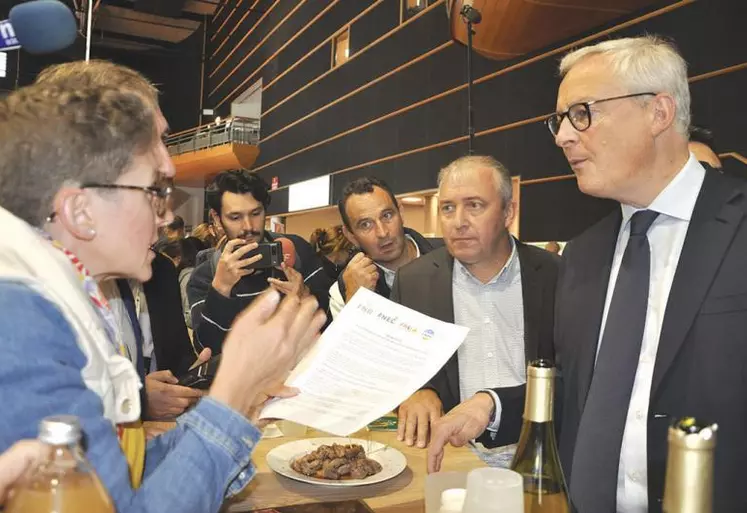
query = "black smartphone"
{"x": 272, "y": 255}
{"x": 201, "y": 377}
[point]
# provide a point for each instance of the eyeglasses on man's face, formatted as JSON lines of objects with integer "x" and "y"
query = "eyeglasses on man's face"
{"x": 579, "y": 114}
{"x": 159, "y": 193}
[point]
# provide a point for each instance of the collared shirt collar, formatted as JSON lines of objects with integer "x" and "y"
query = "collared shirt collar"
{"x": 388, "y": 273}
{"x": 678, "y": 198}
{"x": 461, "y": 269}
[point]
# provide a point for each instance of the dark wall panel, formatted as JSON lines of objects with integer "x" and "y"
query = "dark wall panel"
{"x": 278, "y": 202}
{"x": 313, "y": 66}
{"x": 240, "y": 21}
{"x": 383, "y": 18}
{"x": 422, "y": 35}
{"x": 216, "y": 65}
{"x": 709, "y": 34}
{"x": 323, "y": 28}
{"x": 237, "y": 70}
{"x": 558, "y": 211}
{"x": 715, "y": 105}
{"x": 509, "y": 98}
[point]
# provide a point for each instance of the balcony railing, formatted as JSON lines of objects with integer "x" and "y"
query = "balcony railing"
{"x": 232, "y": 130}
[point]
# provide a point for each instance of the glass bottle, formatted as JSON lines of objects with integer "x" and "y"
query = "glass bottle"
{"x": 688, "y": 487}
{"x": 536, "y": 457}
{"x": 64, "y": 482}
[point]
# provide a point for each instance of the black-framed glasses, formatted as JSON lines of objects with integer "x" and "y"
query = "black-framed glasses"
{"x": 579, "y": 114}
{"x": 159, "y": 194}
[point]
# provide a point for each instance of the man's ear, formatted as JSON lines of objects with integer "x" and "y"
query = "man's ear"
{"x": 510, "y": 214}
{"x": 401, "y": 210}
{"x": 73, "y": 211}
{"x": 664, "y": 113}
{"x": 349, "y": 235}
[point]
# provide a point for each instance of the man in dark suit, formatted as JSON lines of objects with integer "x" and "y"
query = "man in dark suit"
{"x": 651, "y": 319}
{"x": 484, "y": 279}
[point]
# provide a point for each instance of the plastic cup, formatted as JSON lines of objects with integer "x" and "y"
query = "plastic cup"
{"x": 494, "y": 490}
{"x": 436, "y": 484}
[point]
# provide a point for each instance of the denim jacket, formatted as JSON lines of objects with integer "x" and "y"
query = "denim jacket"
{"x": 192, "y": 468}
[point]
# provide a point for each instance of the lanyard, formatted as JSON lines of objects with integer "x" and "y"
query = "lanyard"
{"x": 94, "y": 293}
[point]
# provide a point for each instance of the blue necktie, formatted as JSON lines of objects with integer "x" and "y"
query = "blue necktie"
{"x": 129, "y": 302}
{"x": 596, "y": 456}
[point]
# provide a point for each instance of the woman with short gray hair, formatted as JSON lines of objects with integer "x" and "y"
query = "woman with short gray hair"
{"x": 84, "y": 186}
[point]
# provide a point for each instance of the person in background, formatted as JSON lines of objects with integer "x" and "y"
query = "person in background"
{"x": 702, "y": 146}
{"x": 333, "y": 249}
{"x": 372, "y": 222}
{"x": 553, "y": 247}
{"x": 84, "y": 188}
{"x": 223, "y": 285}
{"x": 484, "y": 279}
{"x": 175, "y": 229}
{"x": 183, "y": 253}
{"x": 207, "y": 234}
{"x": 16, "y": 461}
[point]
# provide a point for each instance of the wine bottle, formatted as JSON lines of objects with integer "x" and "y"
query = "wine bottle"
{"x": 536, "y": 457}
{"x": 688, "y": 487}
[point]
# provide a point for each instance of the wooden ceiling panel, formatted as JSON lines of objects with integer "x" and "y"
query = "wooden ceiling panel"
{"x": 128, "y": 21}
{"x": 510, "y": 28}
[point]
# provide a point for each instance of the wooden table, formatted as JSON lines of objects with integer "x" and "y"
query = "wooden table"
{"x": 402, "y": 494}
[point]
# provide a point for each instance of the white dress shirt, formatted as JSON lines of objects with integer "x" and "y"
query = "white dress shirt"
{"x": 666, "y": 237}
{"x": 125, "y": 331}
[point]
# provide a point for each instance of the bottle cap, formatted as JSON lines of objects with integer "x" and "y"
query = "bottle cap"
{"x": 60, "y": 430}
{"x": 691, "y": 433}
{"x": 541, "y": 369}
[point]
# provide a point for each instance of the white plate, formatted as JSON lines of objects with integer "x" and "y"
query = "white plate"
{"x": 392, "y": 461}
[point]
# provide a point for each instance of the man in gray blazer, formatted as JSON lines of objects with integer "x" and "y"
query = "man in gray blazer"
{"x": 487, "y": 280}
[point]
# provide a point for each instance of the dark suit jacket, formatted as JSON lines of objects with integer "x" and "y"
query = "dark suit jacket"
{"x": 171, "y": 342}
{"x": 701, "y": 363}
{"x": 425, "y": 285}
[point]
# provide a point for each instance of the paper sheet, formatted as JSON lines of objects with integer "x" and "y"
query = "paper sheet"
{"x": 368, "y": 361}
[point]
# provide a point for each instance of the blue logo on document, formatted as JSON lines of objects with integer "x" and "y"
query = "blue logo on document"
{"x": 428, "y": 334}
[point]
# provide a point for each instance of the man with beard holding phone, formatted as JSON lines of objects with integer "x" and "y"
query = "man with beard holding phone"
{"x": 229, "y": 279}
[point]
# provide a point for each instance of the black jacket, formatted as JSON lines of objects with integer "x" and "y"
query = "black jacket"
{"x": 171, "y": 343}
{"x": 701, "y": 361}
{"x": 425, "y": 285}
{"x": 382, "y": 288}
{"x": 213, "y": 314}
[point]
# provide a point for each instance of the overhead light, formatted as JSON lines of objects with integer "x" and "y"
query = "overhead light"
{"x": 412, "y": 200}
{"x": 312, "y": 193}
{"x": 217, "y": 120}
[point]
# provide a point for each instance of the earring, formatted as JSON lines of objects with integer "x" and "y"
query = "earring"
{"x": 91, "y": 232}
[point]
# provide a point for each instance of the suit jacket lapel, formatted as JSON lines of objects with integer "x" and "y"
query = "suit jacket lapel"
{"x": 443, "y": 268}
{"x": 590, "y": 282}
{"x": 532, "y": 291}
{"x": 712, "y": 227}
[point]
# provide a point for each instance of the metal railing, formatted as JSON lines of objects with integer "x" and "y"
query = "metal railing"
{"x": 230, "y": 130}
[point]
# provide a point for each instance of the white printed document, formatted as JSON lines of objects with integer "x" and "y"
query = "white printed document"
{"x": 369, "y": 360}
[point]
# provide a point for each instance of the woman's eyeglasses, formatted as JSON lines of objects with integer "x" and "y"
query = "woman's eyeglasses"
{"x": 579, "y": 114}
{"x": 159, "y": 194}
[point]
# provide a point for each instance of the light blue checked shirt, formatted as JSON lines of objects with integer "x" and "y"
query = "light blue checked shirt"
{"x": 492, "y": 355}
